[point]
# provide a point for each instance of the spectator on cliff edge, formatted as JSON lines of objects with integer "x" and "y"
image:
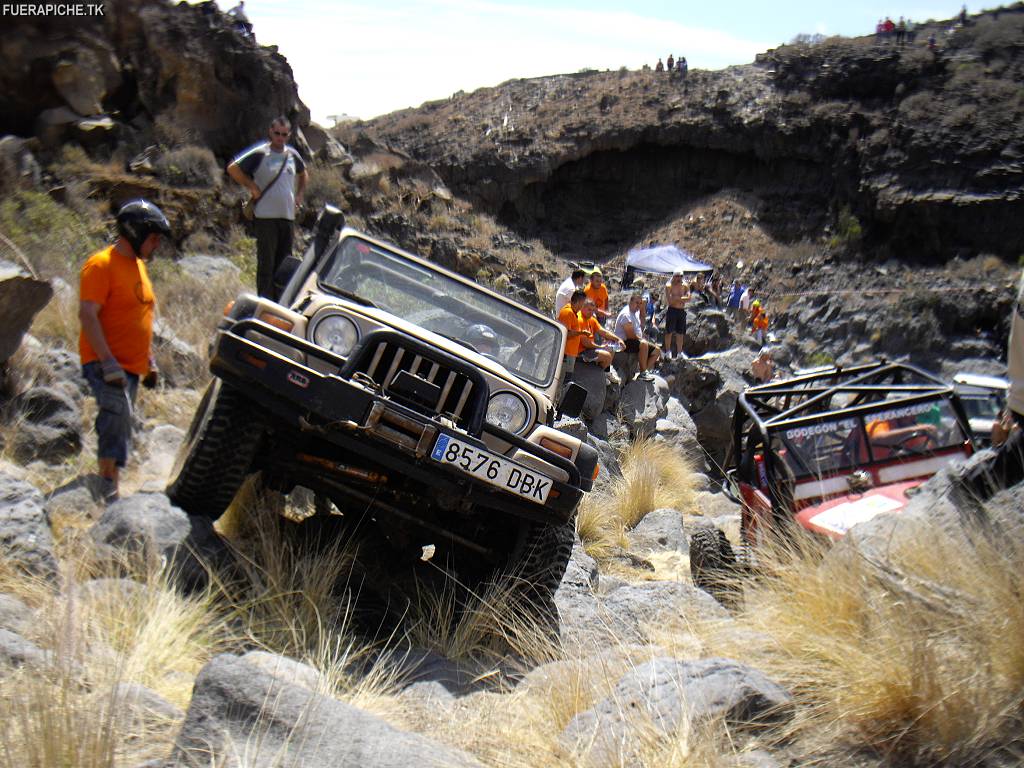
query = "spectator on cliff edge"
{"x": 901, "y": 32}
{"x": 598, "y": 292}
{"x": 577, "y": 281}
{"x": 670, "y": 63}
{"x": 240, "y": 20}
{"x": 659, "y": 67}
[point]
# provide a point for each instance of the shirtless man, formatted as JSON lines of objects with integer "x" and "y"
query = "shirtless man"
{"x": 762, "y": 368}
{"x": 677, "y": 293}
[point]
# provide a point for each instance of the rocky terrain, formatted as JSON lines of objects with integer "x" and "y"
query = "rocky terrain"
{"x": 869, "y": 194}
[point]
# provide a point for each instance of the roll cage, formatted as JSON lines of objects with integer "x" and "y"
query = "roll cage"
{"x": 827, "y": 401}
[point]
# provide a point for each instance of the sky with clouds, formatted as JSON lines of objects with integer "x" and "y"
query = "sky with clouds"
{"x": 365, "y": 58}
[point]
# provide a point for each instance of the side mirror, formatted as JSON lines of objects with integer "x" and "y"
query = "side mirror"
{"x": 330, "y": 221}
{"x": 573, "y": 399}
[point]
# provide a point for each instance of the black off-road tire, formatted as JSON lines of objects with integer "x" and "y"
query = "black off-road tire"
{"x": 713, "y": 564}
{"x": 217, "y": 453}
{"x": 540, "y": 568}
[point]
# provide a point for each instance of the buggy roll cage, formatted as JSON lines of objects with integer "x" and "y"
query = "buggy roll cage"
{"x": 807, "y": 399}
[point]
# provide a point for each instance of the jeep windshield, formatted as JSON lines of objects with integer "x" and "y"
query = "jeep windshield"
{"x": 525, "y": 344}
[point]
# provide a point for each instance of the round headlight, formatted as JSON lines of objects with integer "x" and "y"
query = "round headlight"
{"x": 336, "y": 333}
{"x": 507, "y": 411}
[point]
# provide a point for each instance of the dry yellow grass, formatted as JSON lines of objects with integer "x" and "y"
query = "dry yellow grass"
{"x": 919, "y": 659}
{"x": 654, "y": 476}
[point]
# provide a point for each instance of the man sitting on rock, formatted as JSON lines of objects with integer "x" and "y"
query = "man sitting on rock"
{"x": 629, "y": 328}
{"x": 595, "y": 349}
{"x": 569, "y": 317}
{"x": 116, "y": 307}
{"x": 762, "y": 368}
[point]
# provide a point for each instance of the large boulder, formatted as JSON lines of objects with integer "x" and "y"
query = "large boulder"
{"x": 665, "y": 692}
{"x": 678, "y": 430}
{"x": 21, "y": 298}
{"x": 180, "y": 364}
{"x": 707, "y": 330}
{"x": 149, "y": 527}
{"x": 594, "y": 379}
{"x": 25, "y": 538}
{"x": 642, "y": 403}
{"x": 240, "y": 716}
{"x": 48, "y": 425}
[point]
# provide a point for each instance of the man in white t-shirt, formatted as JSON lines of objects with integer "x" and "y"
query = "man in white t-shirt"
{"x": 575, "y": 282}
{"x": 629, "y": 327}
{"x": 745, "y": 299}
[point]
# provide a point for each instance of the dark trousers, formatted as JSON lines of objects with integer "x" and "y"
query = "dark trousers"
{"x": 273, "y": 246}
{"x": 1001, "y": 470}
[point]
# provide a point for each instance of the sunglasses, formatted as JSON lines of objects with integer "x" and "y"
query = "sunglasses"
{"x": 280, "y": 133}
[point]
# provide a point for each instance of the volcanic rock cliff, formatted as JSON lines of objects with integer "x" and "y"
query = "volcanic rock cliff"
{"x": 921, "y": 148}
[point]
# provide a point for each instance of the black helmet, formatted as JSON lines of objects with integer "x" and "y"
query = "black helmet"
{"x": 481, "y": 334}
{"x": 138, "y": 219}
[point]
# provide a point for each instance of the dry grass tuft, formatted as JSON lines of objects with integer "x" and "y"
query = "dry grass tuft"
{"x": 919, "y": 658}
{"x": 654, "y": 476}
{"x": 485, "y": 626}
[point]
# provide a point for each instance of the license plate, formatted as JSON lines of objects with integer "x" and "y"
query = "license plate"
{"x": 493, "y": 469}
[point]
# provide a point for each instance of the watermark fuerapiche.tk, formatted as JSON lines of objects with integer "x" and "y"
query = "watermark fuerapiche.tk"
{"x": 52, "y": 9}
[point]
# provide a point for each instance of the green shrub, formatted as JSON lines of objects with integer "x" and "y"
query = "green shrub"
{"x": 326, "y": 185}
{"x": 54, "y": 238}
{"x": 189, "y": 167}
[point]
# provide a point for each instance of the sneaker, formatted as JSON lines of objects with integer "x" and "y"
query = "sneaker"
{"x": 108, "y": 491}
{"x": 644, "y": 376}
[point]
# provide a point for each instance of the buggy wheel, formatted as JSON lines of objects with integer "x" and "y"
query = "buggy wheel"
{"x": 217, "y": 453}
{"x": 713, "y": 564}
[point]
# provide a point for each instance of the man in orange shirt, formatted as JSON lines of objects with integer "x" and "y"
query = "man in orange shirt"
{"x": 594, "y": 349}
{"x": 116, "y": 306}
{"x": 569, "y": 317}
{"x": 597, "y": 291}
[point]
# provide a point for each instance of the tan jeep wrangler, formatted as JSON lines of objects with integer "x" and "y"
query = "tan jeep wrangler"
{"x": 418, "y": 402}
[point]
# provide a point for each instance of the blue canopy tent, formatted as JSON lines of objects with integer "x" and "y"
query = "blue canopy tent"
{"x": 662, "y": 259}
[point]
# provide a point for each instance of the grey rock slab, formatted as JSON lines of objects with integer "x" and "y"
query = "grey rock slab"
{"x": 659, "y": 531}
{"x": 714, "y": 504}
{"x": 417, "y": 665}
{"x": 25, "y": 537}
{"x": 242, "y": 716}
{"x": 623, "y": 614}
{"x": 664, "y": 691}
{"x": 161, "y": 446}
{"x": 642, "y": 404}
{"x": 15, "y": 616}
{"x": 16, "y": 651}
{"x": 285, "y": 669}
{"x": 80, "y": 497}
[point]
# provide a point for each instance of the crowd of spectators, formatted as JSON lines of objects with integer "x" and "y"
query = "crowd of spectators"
{"x": 599, "y": 335}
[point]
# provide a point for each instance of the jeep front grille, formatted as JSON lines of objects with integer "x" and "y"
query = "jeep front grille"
{"x": 453, "y": 393}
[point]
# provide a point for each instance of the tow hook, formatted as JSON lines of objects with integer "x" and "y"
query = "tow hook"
{"x": 345, "y": 470}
